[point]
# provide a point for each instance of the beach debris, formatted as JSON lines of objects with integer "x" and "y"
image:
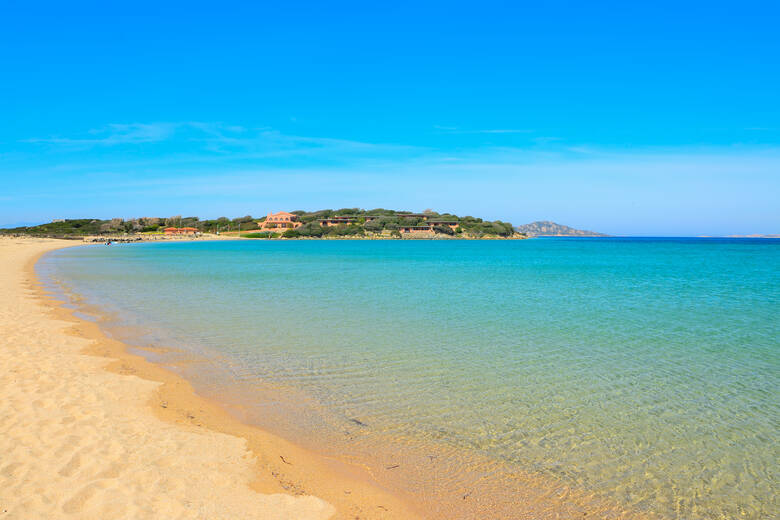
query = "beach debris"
{"x": 358, "y": 422}
{"x": 382, "y": 507}
{"x": 466, "y": 495}
{"x": 393, "y": 466}
{"x": 290, "y": 463}
{"x": 164, "y": 404}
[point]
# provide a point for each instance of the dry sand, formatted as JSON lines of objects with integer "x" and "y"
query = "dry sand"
{"x": 90, "y": 431}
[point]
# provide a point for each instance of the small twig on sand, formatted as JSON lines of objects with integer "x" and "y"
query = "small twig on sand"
{"x": 290, "y": 463}
{"x": 393, "y": 466}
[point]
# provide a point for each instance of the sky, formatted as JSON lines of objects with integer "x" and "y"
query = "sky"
{"x": 629, "y": 118}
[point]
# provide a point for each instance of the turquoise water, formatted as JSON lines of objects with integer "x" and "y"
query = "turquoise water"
{"x": 643, "y": 370}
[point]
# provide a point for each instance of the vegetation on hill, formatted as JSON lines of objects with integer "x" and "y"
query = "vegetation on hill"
{"x": 85, "y": 226}
{"x": 80, "y": 227}
{"x": 357, "y": 222}
{"x": 388, "y": 221}
{"x": 547, "y": 228}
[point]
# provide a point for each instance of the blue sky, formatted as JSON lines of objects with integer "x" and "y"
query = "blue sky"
{"x": 657, "y": 119}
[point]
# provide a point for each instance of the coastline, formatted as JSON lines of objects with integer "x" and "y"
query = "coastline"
{"x": 233, "y": 235}
{"x": 171, "y": 450}
{"x": 352, "y": 485}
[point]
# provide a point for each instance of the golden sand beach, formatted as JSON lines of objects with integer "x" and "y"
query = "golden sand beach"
{"x": 88, "y": 430}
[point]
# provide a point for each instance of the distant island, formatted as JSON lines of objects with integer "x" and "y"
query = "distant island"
{"x": 545, "y": 228}
{"x": 327, "y": 223}
{"x": 774, "y": 235}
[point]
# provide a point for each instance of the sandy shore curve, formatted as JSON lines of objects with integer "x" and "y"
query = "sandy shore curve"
{"x": 88, "y": 430}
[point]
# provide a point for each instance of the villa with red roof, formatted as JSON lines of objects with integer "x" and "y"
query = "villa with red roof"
{"x": 280, "y": 220}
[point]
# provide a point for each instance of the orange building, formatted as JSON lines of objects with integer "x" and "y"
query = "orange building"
{"x": 416, "y": 230}
{"x": 336, "y": 221}
{"x": 281, "y": 220}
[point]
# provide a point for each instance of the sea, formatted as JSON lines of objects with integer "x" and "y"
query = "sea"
{"x": 642, "y": 373}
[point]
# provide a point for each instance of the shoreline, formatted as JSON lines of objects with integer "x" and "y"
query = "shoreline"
{"x": 233, "y": 235}
{"x": 284, "y": 480}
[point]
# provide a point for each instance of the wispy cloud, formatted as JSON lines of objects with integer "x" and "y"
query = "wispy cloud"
{"x": 503, "y": 131}
{"x": 138, "y": 133}
{"x": 198, "y": 141}
{"x": 114, "y": 134}
{"x": 457, "y": 130}
{"x": 546, "y": 139}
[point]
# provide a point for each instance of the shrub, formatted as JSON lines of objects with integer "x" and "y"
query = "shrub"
{"x": 350, "y": 230}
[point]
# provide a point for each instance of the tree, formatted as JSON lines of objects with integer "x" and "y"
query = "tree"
{"x": 348, "y": 211}
{"x": 311, "y": 229}
{"x": 374, "y": 226}
{"x": 445, "y": 230}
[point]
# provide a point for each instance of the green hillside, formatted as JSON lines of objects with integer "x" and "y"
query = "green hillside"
{"x": 357, "y": 222}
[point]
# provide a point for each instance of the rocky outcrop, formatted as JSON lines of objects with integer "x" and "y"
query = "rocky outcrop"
{"x": 547, "y": 228}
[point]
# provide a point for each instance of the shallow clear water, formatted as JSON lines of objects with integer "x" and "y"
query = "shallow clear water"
{"x": 645, "y": 370}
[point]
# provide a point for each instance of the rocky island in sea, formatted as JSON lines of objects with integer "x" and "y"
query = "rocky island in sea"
{"x": 546, "y": 228}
